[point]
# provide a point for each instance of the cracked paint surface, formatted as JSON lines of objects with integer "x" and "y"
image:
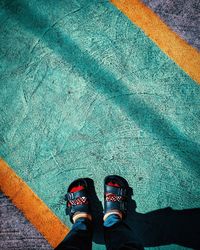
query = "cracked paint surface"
{"x": 85, "y": 93}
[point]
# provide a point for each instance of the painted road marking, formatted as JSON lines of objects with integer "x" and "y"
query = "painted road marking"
{"x": 187, "y": 57}
{"x": 34, "y": 209}
{"x": 182, "y": 53}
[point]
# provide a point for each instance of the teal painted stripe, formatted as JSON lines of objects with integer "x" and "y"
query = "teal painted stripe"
{"x": 85, "y": 92}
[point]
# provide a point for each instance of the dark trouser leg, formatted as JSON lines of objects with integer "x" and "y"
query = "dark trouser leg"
{"x": 119, "y": 236}
{"x": 79, "y": 238}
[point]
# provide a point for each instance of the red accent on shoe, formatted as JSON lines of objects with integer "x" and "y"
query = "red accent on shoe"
{"x": 76, "y": 189}
{"x": 114, "y": 197}
{"x": 73, "y": 190}
{"x": 78, "y": 201}
{"x": 112, "y": 184}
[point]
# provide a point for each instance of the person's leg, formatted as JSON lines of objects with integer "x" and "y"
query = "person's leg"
{"x": 79, "y": 210}
{"x": 80, "y": 236}
{"x": 118, "y": 235}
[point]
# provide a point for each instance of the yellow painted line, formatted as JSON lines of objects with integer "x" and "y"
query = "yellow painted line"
{"x": 187, "y": 57}
{"x": 34, "y": 209}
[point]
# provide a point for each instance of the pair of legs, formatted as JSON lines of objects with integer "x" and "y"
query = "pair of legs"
{"x": 117, "y": 234}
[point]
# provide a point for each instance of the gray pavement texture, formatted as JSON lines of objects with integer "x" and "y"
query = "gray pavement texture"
{"x": 16, "y": 232}
{"x": 183, "y": 16}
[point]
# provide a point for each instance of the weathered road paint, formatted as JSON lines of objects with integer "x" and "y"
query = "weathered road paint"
{"x": 34, "y": 209}
{"x": 187, "y": 57}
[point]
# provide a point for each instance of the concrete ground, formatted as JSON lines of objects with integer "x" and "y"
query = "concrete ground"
{"x": 16, "y": 232}
{"x": 182, "y": 16}
{"x": 97, "y": 136}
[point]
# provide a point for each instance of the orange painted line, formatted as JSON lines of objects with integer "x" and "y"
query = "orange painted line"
{"x": 34, "y": 209}
{"x": 187, "y": 57}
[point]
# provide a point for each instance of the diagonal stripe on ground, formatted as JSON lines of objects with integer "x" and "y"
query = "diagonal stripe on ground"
{"x": 86, "y": 93}
{"x": 35, "y": 210}
{"x": 187, "y": 57}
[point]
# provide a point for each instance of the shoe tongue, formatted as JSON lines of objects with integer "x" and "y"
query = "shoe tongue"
{"x": 112, "y": 184}
{"x": 76, "y": 189}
